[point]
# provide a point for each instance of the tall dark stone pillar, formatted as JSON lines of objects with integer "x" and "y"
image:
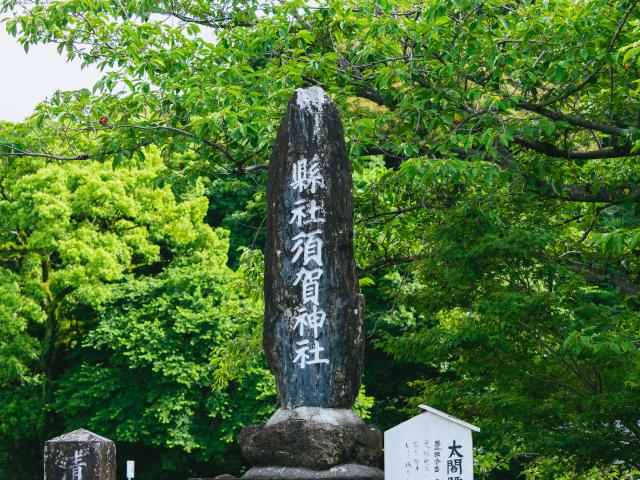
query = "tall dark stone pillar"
{"x": 313, "y": 326}
{"x": 310, "y": 285}
{"x": 79, "y": 455}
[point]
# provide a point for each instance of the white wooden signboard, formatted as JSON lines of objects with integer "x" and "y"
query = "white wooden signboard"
{"x": 430, "y": 446}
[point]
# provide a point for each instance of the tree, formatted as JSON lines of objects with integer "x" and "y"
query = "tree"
{"x": 167, "y": 330}
{"x": 73, "y": 235}
{"x": 503, "y": 85}
{"x": 518, "y": 337}
{"x": 516, "y": 121}
{"x": 21, "y": 408}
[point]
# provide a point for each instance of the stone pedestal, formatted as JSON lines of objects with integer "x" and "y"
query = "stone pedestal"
{"x": 313, "y": 438}
{"x": 79, "y": 455}
{"x": 313, "y": 443}
{"x": 342, "y": 472}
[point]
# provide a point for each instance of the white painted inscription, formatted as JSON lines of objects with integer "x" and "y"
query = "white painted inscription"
{"x": 306, "y": 175}
{"x": 309, "y": 244}
{"x": 430, "y": 446}
{"x": 75, "y": 467}
{"x": 311, "y": 320}
{"x": 302, "y": 353}
{"x": 305, "y": 213}
{"x": 306, "y": 253}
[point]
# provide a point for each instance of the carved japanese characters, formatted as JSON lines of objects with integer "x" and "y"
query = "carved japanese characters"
{"x": 313, "y": 313}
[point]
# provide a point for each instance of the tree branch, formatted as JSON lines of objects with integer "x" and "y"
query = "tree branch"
{"x": 585, "y": 193}
{"x": 551, "y": 150}
{"x": 620, "y": 281}
{"x": 222, "y": 22}
{"x": 239, "y": 165}
{"x": 399, "y": 211}
{"x": 252, "y": 168}
{"x": 376, "y": 97}
{"x": 24, "y": 153}
{"x": 576, "y": 88}
{"x": 572, "y": 119}
{"x": 182, "y": 132}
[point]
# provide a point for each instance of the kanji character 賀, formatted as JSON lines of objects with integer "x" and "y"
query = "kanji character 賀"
{"x": 310, "y": 284}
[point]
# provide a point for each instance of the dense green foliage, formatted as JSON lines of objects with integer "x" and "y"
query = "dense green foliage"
{"x": 495, "y": 152}
{"x": 111, "y": 280}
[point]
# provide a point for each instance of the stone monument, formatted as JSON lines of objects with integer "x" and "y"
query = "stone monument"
{"x": 313, "y": 325}
{"x": 79, "y": 455}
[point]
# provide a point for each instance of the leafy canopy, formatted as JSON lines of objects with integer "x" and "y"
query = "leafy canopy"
{"x": 495, "y": 147}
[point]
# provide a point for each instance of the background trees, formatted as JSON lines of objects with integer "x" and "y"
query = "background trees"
{"x": 116, "y": 297}
{"x": 495, "y": 155}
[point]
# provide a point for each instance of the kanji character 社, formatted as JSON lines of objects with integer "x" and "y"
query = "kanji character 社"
{"x": 302, "y": 353}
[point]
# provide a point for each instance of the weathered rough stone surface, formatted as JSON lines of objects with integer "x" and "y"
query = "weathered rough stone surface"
{"x": 341, "y": 472}
{"x": 79, "y": 454}
{"x": 367, "y": 449}
{"x": 312, "y": 131}
{"x": 332, "y": 416}
{"x": 317, "y": 446}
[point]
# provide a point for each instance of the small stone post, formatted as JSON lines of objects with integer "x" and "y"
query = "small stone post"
{"x": 79, "y": 455}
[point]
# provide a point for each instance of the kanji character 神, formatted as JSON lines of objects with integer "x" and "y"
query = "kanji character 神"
{"x": 313, "y": 320}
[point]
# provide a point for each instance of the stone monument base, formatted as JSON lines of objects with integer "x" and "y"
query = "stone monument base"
{"x": 351, "y": 471}
{"x": 313, "y": 443}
